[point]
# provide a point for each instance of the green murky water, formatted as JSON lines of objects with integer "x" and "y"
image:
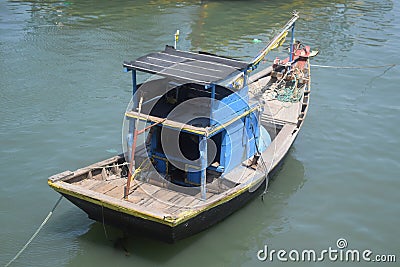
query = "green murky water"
{"x": 63, "y": 94}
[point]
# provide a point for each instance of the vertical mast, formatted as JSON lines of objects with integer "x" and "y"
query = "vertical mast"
{"x": 203, "y": 157}
{"x": 292, "y": 44}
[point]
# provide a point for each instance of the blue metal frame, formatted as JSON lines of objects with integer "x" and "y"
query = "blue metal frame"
{"x": 238, "y": 139}
{"x": 134, "y": 89}
{"x": 203, "y": 157}
{"x": 212, "y": 102}
{"x": 292, "y": 44}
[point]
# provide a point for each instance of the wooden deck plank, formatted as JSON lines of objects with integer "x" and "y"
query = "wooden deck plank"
{"x": 89, "y": 183}
{"x": 179, "y": 202}
{"x": 146, "y": 201}
{"x": 119, "y": 181}
{"x": 208, "y": 195}
{"x": 213, "y": 198}
{"x": 172, "y": 210}
{"x": 149, "y": 188}
{"x": 184, "y": 201}
{"x": 282, "y": 111}
{"x": 279, "y": 146}
{"x": 137, "y": 197}
{"x": 195, "y": 202}
{"x": 105, "y": 187}
{"x": 165, "y": 194}
{"x": 114, "y": 201}
{"x": 118, "y": 191}
{"x": 160, "y": 205}
{"x": 176, "y": 198}
{"x": 99, "y": 184}
{"x": 240, "y": 174}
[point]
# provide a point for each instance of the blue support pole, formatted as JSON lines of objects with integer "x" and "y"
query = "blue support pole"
{"x": 203, "y": 158}
{"x": 292, "y": 44}
{"x": 245, "y": 78}
{"x": 213, "y": 91}
{"x": 212, "y": 101}
{"x": 134, "y": 89}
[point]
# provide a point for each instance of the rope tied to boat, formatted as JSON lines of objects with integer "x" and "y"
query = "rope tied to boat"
{"x": 35, "y": 234}
{"x": 141, "y": 168}
{"x": 104, "y": 225}
{"x": 289, "y": 92}
{"x": 354, "y": 67}
{"x": 286, "y": 89}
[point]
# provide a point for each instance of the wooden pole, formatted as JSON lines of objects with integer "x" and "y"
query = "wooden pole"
{"x": 276, "y": 39}
{"x": 135, "y": 134}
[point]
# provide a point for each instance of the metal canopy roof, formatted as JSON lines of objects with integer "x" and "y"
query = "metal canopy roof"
{"x": 197, "y": 67}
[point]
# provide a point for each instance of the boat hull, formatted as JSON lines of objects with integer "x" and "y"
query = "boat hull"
{"x": 276, "y": 97}
{"x": 135, "y": 225}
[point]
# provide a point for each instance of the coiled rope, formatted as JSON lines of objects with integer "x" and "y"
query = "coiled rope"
{"x": 35, "y": 234}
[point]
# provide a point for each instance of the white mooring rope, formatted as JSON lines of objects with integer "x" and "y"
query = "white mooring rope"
{"x": 353, "y": 67}
{"x": 36, "y": 233}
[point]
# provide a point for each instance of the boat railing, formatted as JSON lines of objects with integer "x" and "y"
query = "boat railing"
{"x": 277, "y": 41}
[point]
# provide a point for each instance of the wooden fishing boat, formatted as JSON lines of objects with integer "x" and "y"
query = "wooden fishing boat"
{"x": 201, "y": 140}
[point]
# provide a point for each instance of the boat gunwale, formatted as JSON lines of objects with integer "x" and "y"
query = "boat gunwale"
{"x": 127, "y": 207}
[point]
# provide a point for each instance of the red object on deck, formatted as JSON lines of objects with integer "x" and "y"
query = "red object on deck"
{"x": 300, "y": 57}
